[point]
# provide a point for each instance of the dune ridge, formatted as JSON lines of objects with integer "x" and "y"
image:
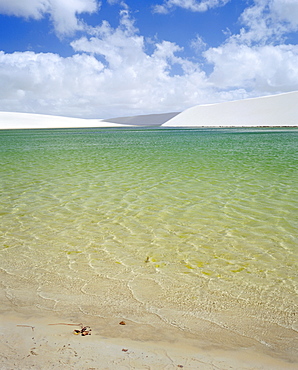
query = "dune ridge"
{"x": 274, "y": 110}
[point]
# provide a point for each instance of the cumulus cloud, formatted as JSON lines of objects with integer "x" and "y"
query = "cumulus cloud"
{"x": 110, "y": 74}
{"x": 63, "y": 13}
{"x": 287, "y": 11}
{"x": 256, "y": 60}
{"x": 48, "y": 83}
{"x": 193, "y": 5}
{"x": 27, "y": 9}
{"x": 268, "y": 21}
{"x": 260, "y": 69}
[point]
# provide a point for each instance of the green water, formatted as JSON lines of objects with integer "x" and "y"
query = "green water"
{"x": 176, "y": 226}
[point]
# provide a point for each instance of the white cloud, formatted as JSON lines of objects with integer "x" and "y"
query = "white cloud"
{"x": 261, "y": 69}
{"x": 113, "y": 74}
{"x": 148, "y": 80}
{"x": 256, "y": 59}
{"x": 287, "y": 11}
{"x": 269, "y": 21}
{"x": 197, "y": 44}
{"x": 19, "y": 8}
{"x": 193, "y": 5}
{"x": 117, "y": 46}
{"x": 120, "y": 2}
{"x": 63, "y": 13}
{"x": 47, "y": 83}
{"x": 126, "y": 81}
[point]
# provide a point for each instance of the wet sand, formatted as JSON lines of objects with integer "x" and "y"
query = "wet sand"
{"x": 47, "y": 341}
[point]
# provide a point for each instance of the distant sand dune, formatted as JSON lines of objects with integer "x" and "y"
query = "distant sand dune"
{"x": 276, "y": 110}
{"x": 11, "y": 120}
{"x": 144, "y": 120}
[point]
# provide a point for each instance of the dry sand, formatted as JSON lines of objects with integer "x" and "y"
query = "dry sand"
{"x": 47, "y": 342}
{"x": 276, "y": 110}
{"x": 10, "y": 120}
{"x": 144, "y": 120}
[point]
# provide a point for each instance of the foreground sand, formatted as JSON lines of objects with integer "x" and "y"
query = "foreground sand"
{"x": 30, "y": 342}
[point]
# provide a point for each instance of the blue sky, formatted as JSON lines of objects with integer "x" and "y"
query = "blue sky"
{"x": 109, "y": 58}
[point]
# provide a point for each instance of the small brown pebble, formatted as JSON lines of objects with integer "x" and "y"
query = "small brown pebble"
{"x": 180, "y": 365}
{"x": 124, "y": 350}
{"x": 122, "y": 323}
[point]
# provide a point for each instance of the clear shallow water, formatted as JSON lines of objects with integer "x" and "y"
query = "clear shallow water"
{"x": 192, "y": 228}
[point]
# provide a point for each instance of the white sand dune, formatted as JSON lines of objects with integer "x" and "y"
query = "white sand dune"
{"x": 276, "y": 110}
{"x": 11, "y": 120}
{"x": 144, "y": 120}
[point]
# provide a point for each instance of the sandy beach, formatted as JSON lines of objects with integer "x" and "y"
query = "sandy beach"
{"x": 48, "y": 342}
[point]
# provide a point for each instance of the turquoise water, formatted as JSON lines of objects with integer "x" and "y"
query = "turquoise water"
{"x": 176, "y": 226}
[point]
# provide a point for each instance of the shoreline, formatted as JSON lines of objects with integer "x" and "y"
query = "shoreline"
{"x": 46, "y": 341}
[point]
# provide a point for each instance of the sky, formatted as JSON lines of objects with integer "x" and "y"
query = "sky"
{"x": 111, "y": 58}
